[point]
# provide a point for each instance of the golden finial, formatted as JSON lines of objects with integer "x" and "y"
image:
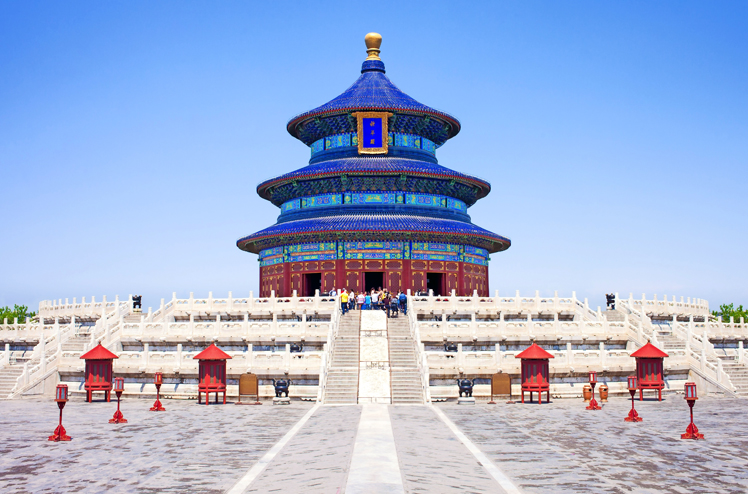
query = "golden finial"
{"x": 373, "y": 42}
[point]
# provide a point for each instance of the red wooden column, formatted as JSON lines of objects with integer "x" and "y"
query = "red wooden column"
{"x": 98, "y": 371}
{"x": 212, "y": 372}
{"x": 535, "y": 372}
{"x": 649, "y": 369}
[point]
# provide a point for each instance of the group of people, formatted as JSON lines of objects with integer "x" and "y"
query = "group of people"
{"x": 381, "y": 299}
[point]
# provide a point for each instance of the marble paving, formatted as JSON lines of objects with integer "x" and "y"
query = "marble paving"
{"x": 550, "y": 448}
{"x": 561, "y": 447}
{"x": 187, "y": 448}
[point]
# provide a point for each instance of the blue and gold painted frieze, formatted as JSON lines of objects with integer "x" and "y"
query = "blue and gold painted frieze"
{"x": 350, "y": 139}
{"x": 373, "y": 250}
{"x": 384, "y": 250}
{"x": 359, "y": 198}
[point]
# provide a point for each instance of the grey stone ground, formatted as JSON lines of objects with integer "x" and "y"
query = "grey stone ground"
{"x": 559, "y": 447}
{"x": 187, "y": 448}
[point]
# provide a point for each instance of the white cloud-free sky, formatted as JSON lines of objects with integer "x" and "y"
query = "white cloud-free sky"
{"x": 133, "y": 135}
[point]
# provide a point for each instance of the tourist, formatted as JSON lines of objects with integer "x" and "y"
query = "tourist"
{"x": 394, "y": 306}
{"x": 352, "y": 300}
{"x": 333, "y": 293}
{"x": 374, "y": 299}
{"x": 344, "y": 301}
{"x": 367, "y": 302}
{"x": 403, "y": 299}
{"x": 360, "y": 299}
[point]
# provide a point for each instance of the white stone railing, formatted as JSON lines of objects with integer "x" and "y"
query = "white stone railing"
{"x": 528, "y": 329}
{"x": 246, "y": 329}
{"x": 324, "y": 367}
{"x": 149, "y": 362}
{"x": 421, "y": 356}
{"x": 254, "y": 304}
{"x": 56, "y": 308}
{"x": 665, "y": 307}
{"x": 506, "y": 304}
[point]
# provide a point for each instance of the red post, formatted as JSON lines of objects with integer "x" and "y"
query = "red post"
{"x": 632, "y": 416}
{"x": 61, "y": 397}
{"x": 158, "y": 380}
{"x": 593, "y": 403}
{"x": 119, "y": 387}
{"x": 692, "y": 432}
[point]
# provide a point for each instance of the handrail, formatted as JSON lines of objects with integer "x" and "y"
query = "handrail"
{"x": 421, "y": 358}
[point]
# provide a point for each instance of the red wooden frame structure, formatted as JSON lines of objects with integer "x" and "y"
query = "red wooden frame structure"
{"x": 535, "y": 372}
{"x": 212, "y": 373}
{"x": 649, "y": 369}
{"x": 98, "y": 371}
{"x": 398, "y": 274}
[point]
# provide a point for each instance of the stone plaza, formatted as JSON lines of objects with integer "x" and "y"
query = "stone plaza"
{"x": 556, "y": 447}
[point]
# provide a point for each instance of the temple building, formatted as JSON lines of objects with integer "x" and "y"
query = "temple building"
{"x": 373, "y": 208}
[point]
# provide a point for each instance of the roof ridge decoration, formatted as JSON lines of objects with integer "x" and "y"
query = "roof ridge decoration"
{"x": 372, "y": 91}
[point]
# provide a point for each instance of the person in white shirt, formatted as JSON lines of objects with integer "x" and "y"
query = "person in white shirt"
{"x": 333, "y": 293}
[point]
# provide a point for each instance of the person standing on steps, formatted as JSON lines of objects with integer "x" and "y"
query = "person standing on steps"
{"x": 344, "y": 301}
{"x": 403, "y": 299}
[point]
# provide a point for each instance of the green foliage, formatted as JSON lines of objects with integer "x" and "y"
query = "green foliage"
{"x": 19, "y": 311}
{"x": 727, "y": 310}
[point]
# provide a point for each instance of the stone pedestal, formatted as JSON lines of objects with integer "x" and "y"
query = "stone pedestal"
{"x": 282, "y": 401}
{"x": 466, "y": 400}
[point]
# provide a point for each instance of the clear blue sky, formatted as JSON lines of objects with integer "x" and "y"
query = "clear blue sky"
{"x": 133, "y": 135}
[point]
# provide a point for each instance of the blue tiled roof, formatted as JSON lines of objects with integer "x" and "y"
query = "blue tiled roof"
{"x": 392, "y": 226}
{"x": 373, "y": 90}
{"x": 375, "y": 165}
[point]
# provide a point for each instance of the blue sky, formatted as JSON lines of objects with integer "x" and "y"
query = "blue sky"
{"x": 133, "y": 135}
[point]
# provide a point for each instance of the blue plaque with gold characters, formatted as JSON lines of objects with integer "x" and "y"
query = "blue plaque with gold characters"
{"x": 372, "y": 132}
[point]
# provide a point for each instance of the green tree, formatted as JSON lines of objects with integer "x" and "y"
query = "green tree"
{"x": 727, "y": 310}
{"x": 19, "y": 311}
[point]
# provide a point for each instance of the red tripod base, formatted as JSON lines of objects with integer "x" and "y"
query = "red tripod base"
{"x": 118, "y": 418}
{"x": 593, "y": 405}
{"x": 157, "y": 407}
{"x": 633, "y": 416}
{"x": 692, "y": 432}
{"x": 59, "y": 435}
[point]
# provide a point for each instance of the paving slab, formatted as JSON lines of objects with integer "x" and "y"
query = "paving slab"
{"x": 187, "y": 448}
{"x": 317, "y": 458}
{"x": 561, "y": 447}
{"x": 432, "y": 459}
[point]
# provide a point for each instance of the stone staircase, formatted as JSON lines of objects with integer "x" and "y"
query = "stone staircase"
{"x": 738, "y": 376}
{"x": 405, "y": 379}
{"x": 342, "y": 378}
{"x": 76, "y": 343}
{"x": 666, "y": 340}
{"x": 8, "y": 377}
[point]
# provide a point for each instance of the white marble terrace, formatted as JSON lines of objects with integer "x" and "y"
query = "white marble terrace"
{"x": 258, "y": 333}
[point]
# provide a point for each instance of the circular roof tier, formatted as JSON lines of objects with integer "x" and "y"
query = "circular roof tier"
{"x": 373, "y": 227}
{"x": 373, "y": 90}
{"x": 280, "y": 189}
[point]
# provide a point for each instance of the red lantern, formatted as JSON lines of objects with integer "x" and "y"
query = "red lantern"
{"x": 692, "y": 432}
{"x": 158, "y": 381}
{"x": 61, "y": 397}
{"x": 593, "y": 403}
{"x": 633, "y": 416}
{"x": 119, "y": 387}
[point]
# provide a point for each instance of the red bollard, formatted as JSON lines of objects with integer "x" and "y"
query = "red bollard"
{"x": 119, "y": 387}
{"x": 692, "y": 432}
{"x": 159, "y": 380}
{"x": 593, "y": 403}
{"x": 61, "y": 397}
{"x": 633, "y": 416}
